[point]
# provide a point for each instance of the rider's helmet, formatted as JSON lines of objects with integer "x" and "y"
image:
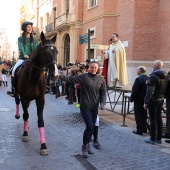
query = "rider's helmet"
{"x": 24, "y": 24}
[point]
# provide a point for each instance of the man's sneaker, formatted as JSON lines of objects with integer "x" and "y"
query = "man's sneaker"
{"x": 152, "y": 142}
{"x": 77, "y": 105}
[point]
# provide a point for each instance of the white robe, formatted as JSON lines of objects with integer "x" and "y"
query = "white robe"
{"x": 112, "y": 71}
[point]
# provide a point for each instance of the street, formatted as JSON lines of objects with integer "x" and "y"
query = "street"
{"x": 121, "y": 149}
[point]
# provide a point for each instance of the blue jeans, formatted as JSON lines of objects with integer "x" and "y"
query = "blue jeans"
{"x": 155, "y": 110}
{"x": 89, "y": 117}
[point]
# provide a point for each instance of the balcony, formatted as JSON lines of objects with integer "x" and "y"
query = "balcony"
{"x": 47, "y": 29}
{"x": 62, "y": 22}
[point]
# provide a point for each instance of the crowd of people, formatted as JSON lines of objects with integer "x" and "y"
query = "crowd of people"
{"x": 7, "y": 65}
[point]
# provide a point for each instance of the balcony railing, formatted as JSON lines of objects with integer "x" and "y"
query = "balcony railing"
{"x": 47, "y": 29}
{"x": 62, "y": 21}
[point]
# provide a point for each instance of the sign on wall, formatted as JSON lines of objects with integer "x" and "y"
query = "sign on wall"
{"x": 83, "y": 39}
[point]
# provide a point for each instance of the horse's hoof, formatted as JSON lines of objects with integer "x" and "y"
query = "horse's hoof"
{"x": 43, "y": 152}
{"x": 17, "y": 117}
{"x": 25, "y": 138}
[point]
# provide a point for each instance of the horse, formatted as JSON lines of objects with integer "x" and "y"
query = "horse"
{"x": 31, "y": 84}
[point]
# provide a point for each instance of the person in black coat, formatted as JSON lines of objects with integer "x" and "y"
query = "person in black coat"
{"x": 154, "y": 99}
{"x": 137, "y": 96}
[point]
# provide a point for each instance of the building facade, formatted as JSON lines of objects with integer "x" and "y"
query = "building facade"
{"x": 5, "y": 46}
{"x": 142, "y": 25}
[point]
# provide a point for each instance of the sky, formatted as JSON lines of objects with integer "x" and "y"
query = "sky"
{"x": 10, "y": 20}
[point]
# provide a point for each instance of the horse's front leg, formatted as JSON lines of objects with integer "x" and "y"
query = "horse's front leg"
{"x": 40, "y": 107}
{"x": 25, "y": 105}
{"x": 17, "y": 101}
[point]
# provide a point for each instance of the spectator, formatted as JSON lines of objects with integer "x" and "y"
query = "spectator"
{"x": 137, "y": 96}
{"x": 4, "y": 76}
{"x": 93, "y": 92}
{"x": 59, "y": 67}
{"x": 57, "y": 88}
{"x": 52, "y": 86}
{"x": 13, "y": 62}
{"x": 156, "y": 87}
{"x": 71, "y": 88}
{"x": 87, "y": 62}
{"x": 96, "y": 143}
{"x": 167, "y": 134}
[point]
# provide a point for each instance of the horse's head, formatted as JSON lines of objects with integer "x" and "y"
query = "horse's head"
{"x": 49, "y": 53}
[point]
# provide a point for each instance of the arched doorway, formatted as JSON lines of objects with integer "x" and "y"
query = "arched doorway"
{"x": 66, "y": 49}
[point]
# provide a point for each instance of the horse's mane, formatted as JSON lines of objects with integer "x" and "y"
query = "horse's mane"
{"x": 34, "y": 54}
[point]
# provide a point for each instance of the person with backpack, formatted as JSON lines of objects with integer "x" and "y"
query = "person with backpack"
{"x": 154, "y": 99}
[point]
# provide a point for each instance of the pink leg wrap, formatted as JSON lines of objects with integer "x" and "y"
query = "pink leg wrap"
{"x": 17, "y": 110}
{"x": 25, "y": 126}
{"x": 42, "y": 136}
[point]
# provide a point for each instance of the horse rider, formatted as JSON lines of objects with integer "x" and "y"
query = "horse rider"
{"x": 26, "y": 45}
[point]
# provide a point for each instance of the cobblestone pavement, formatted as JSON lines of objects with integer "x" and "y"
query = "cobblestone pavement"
{"x": 121, "y": 149}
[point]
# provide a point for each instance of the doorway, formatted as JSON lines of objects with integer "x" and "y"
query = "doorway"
{"x": 66, "y": 50}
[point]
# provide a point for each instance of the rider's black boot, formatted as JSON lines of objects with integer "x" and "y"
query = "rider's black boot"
{"x": 13, "y": 85}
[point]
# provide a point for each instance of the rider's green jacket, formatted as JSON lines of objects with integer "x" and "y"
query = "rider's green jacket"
{"x": 26, "y": 49}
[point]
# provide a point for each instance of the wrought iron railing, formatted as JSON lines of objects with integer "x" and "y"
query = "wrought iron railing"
{"x": 62, "y": 19}
{"x": 47, "y": 29}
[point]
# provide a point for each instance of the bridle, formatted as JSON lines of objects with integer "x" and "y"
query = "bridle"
{"x": 45, "y": 66}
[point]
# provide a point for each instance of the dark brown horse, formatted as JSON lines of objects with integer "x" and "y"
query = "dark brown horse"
{"x": 31, "y": 84}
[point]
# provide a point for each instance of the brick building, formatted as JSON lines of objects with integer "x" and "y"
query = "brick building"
{"x": 143, "y": 27}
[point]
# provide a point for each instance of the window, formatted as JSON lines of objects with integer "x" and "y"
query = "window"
{"x": 32, "y": 4}
{"x": 67, "y": 5}
{"x": 41, "y": 22}
{"x": 92, "y": 54}
{"x": 54, "y": 13}
{"x": 47, "y": 18}
{"x": 92, "y": 3}
{"x": 92, "y": 32}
